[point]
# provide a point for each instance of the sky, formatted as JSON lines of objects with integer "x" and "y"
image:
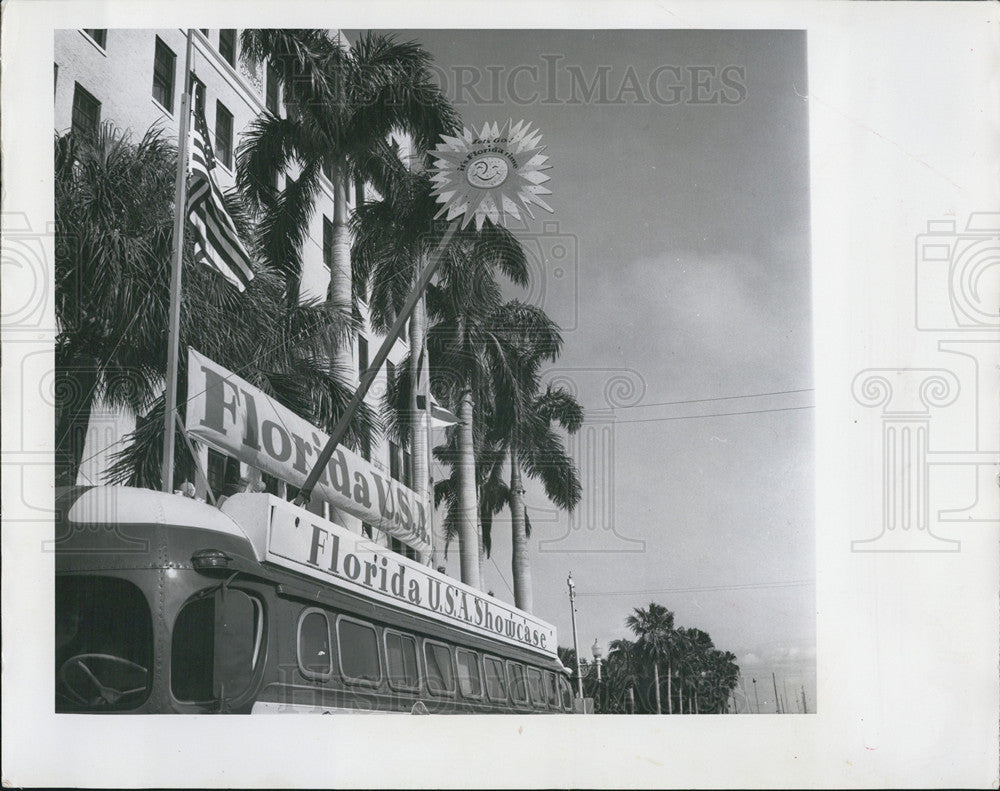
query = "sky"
{"x": 677, "y": 264}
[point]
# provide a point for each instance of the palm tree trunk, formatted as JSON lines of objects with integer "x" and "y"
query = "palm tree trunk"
{"x": 680, "y": 694}
{"x": 340, "y": 270}
{"x": 656, "y": 684}
{"x": 670, "y": 697}
{"x": 520, "y": 569}
{"x": 418, "y": 425}
{"x": 468, "y": 511}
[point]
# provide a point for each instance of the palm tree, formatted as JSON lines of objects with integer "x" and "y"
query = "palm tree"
{"x": 342, "y": 106}
{"x": 522, "y": 430}
{"x": 113, "y": 211}
{"x": 465, "y": 348}
{"x": 393, "y": 239}
{"x": 284, "y": 357}
{"x": 114, "y": 216}
{"x": 621, "y": 673}
{"x": 652, "y": 628}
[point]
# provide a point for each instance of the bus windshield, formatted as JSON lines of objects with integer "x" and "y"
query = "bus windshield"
{"x": 104, "y": 644}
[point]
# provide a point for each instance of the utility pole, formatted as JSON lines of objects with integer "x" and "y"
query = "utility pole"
{"x": 576, "y": 645}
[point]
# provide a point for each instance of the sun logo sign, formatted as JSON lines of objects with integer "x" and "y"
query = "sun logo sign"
{"x": 493, "y": 174}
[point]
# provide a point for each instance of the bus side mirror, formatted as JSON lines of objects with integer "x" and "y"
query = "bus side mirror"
{"x": 235, "y": 642}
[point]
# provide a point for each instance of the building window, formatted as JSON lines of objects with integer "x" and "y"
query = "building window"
{"x": 164, "y": 63}
{"x": 366, "y": 529}
{"x": 327, "y": 242}
{"x": 270, "y": 483}
{"x": 223, "y": 135}
{"x": 196, "y": 88}
{"x": 362, "y": 355}
{"x": 86, "y": 113}
{"x": 223, "y": 474}
{"x": 400, "y": 548}
{"x": 99, "y": 35}
{"x": 227, "y": 45}
{"x": 395, "y": 459}
{"x": 390, "y": 376}
{"x": 271, "y": 89}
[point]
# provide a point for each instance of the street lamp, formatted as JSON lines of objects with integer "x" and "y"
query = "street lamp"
{"x": 595, "y": 649}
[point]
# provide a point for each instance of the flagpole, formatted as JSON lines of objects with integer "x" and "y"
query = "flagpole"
{"x": 173, "y": 338}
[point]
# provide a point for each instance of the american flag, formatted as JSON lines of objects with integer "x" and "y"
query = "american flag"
{"x": 216, "y": 242}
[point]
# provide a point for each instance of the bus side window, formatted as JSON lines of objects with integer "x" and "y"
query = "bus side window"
{"x": 518, "y": 689}
{"x": 535, "y": 687}
{"x": 357, "y": 646}
{"x": 565, "y": 693}
{"x": 401, "y": 660}
{"x": 496, "y": 682}
{"x": 470, "y": 684}
{"x": 440, "y": 670}
{"x": 549, "y": 684}
{"x": 314, "y": 656}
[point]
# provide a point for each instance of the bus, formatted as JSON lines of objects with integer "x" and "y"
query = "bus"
{"x": 164, "y": 604}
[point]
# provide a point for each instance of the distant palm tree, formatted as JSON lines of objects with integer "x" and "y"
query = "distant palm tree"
{"x": 652, "y": 628}
{"x": 621, "y": 673}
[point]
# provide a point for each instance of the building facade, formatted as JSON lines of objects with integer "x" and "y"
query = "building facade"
{"x": 134, "y": 79}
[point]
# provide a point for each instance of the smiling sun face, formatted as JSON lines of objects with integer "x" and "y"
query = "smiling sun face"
{"x": 493, "y": 174}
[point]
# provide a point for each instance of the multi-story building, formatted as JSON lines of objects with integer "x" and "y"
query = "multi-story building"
{"x": 133, "y": 78}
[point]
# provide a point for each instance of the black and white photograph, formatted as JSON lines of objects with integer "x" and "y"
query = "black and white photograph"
{"x": 627, "y": 382}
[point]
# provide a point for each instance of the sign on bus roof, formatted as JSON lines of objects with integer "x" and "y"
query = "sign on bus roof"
{"x": 301, "y": 541}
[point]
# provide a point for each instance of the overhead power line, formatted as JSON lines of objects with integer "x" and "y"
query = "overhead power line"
{"x": 704, "y": 588}
{"x": 716, "y": 414}
{"x": 719, "y": 398}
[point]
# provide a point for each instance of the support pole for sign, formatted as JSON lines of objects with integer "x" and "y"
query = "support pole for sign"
{"x": 174, "y": 332}
{"x": 339, "y": 430}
